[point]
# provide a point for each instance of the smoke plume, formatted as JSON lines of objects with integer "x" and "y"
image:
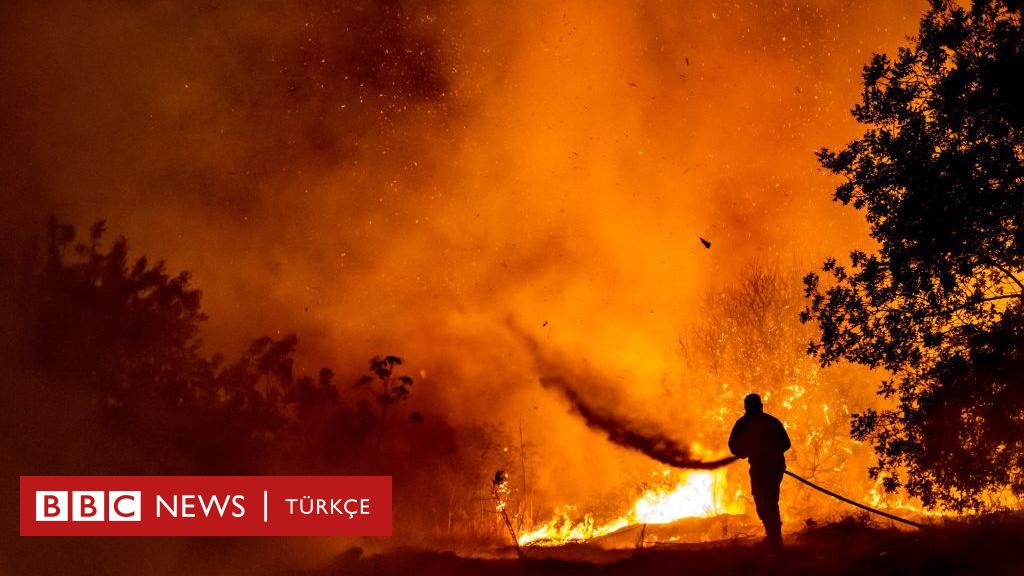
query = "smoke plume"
{"x": 630, "y": 435}
{"x": 592, "y": 406}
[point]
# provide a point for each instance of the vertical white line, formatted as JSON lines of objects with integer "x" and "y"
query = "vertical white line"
{"x": 264, "y": 506}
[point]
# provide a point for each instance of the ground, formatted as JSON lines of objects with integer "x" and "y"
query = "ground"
{"x": 991, "y": 546}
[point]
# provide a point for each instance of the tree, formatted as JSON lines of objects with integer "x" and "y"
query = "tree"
{"x": 391, "y": 390}
{"x": 938, "y": 175}
{"x": 112, "y": 348}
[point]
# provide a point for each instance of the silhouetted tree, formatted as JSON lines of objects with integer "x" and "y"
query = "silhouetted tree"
{"x": 120, "y": 341}
{"x": 389, "y": 390}
{"x": 939, "y": 177}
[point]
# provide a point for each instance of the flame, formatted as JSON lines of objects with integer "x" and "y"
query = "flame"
{"x": 694, "y": 494}
{"x": 899, "y": 503}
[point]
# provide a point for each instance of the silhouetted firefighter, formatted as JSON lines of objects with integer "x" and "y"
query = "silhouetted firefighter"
{"x": 762, "y": 440}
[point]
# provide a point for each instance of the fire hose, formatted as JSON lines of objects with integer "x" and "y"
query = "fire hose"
{"x": 857, "y": 504}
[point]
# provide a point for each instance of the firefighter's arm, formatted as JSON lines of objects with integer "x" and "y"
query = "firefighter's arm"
{"x": 784, "y": 438}
{"x": 736, "y": 443}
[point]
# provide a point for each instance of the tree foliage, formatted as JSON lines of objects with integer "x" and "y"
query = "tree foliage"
{"x": 122, "y": 339}
{"x": 938, "y": 176}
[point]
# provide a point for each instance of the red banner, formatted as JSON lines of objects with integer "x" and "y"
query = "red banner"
{"x": 205, "y": 505}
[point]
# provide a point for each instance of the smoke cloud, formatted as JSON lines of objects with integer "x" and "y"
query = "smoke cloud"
{"x": 400, "y": 177}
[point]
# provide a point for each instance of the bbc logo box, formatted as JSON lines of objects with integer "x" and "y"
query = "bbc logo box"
{"x": 88, "y": 506}
{"x": 205, "y": 506}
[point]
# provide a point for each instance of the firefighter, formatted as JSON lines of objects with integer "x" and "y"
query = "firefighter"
{"x": 762, "y": 440}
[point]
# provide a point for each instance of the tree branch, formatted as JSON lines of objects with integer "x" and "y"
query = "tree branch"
{"x": 970, "y": 303}
{"x": 1010, "y": 275}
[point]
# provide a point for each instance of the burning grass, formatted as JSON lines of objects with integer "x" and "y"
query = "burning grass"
{"x": 674, "y": 496}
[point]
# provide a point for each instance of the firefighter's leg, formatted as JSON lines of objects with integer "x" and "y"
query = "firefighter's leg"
{"x": 765, "y": 488}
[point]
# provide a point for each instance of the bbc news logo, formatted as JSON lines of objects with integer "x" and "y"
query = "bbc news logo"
{"x": 205, "y": 506}
{"x": 88, "y": 506}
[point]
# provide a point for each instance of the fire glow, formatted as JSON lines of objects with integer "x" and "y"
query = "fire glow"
{"x": 694, "y": 494}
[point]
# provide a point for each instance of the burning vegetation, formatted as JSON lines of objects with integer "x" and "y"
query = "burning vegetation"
{"x": 671, "y": 496}
{"x": 752, "y": 338}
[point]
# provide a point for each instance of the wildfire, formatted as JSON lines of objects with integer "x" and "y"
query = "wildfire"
{"x": 693, "y": 494}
